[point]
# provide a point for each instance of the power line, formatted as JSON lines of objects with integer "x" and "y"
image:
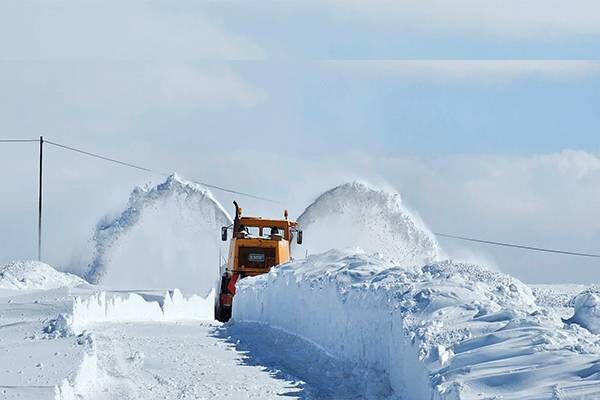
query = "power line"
{"x": 517, "y": 246}
{"x": 18, "y": 140}
{"x": 141, "y": 168}
{"x": 87, "y": 153}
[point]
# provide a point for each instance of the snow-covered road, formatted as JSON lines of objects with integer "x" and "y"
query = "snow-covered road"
{"x": 179, "y": 361}
{"x": 210, "y": 361}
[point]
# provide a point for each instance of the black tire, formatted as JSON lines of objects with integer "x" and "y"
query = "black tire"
{"x": 222, "y": 312}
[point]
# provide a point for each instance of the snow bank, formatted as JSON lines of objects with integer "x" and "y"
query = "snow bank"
{"x": 366, "y": 311}
{"x": 445, "y": 330}
{"x": 172, "y": 306}
{"x": 169, "y": 236}
{"x": 587, "y": 310}
{"x": 356, "y": 215}
{"x": 27, "y": 275}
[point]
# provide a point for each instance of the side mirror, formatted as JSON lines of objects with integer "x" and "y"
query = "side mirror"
{"x": 224, "y": 233}
{"x": 299, "y": 237}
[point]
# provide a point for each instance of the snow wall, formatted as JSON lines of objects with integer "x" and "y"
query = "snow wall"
{"x": 171, "y": 306}
{"x": 363, "y": 310}
{"x": 357, "y": 215}
{"x": 167, "y": 237}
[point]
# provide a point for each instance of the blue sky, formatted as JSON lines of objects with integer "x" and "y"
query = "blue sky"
{"x": 485, "y": 117}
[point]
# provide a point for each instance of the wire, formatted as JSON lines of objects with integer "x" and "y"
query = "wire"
{"x": 138, "y": 167}
{"x": 570, "y": 253}
{"x": 18, "y": 140}
{"x": 98, "y": 156}
{"x": 235, "y": 192}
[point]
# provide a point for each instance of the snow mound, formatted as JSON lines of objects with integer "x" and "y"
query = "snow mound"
{"x": 28, "y": 275}
{"x": 169, "y": 236}
{"x": 587, "y": 310}
{"x": 356, "y": 215}
{"x": 444, "y": 330}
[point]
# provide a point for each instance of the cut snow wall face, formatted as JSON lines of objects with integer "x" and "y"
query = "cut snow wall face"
{"x": 376, "y": 221}
{"x": 442, "y": 331}
{"x": 169, "y": 236}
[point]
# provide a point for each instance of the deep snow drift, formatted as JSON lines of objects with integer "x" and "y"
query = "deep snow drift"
{"x": 168, "y": 237}
{"x": 27, "y": 275}
{"x": 355, "y": 214}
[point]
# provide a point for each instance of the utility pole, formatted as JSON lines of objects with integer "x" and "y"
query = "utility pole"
{"x": 40, "y": 199}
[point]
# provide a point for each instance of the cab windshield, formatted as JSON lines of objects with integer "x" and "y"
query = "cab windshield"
{"x": 255, "y": 232}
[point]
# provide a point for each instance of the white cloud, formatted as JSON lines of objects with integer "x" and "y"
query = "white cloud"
{"x": 123, "y": 89}
{"x": 471, "y": 70}
{"x": 184, "y": 84}
{"x": 67, "y": 30}
{"x": 572, "y": 164}
{"x": 513, "y": 18}
{"x": 548, "y": 200}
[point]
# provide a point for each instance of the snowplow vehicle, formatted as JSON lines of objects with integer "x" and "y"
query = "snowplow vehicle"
{"x": 256, "y": 246}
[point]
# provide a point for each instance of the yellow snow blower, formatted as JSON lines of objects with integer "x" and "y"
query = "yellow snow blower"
{"x": 256, "y": 246}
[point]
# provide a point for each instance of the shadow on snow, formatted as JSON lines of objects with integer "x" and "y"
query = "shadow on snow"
{"x": 314, "y": 374}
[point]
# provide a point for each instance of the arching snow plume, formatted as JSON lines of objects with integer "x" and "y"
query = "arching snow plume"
{"x": 168, "y": 237}
{"x": 26, "y": 275}
{"x": 357, "y": 215}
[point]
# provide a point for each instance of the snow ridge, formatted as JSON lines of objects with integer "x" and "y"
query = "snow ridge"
{"x": 167, "y": 237}
{"x": 357, "y": 215}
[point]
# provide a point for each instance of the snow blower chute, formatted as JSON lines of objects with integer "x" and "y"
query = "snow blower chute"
{"x": 256, "y": 246}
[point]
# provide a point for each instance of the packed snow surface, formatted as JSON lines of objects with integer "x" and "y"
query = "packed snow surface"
{"x": 168, "y": 237}
{"x": 26, "y": 275}
{"x": 357, "y": 215}
{"x": 31, "y": 365}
